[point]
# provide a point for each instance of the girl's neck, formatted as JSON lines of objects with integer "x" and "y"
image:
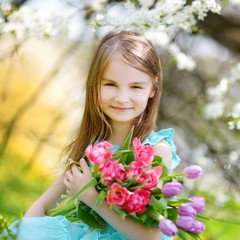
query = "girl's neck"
{"x": 119, "y": 133}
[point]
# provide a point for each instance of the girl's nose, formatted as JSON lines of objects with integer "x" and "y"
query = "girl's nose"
{"x": 122, "y": 97}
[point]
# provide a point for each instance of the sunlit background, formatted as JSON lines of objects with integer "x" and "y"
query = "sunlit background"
{"x": 45, "y": 51}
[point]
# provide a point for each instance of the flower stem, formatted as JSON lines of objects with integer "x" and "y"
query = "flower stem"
{"x": 172, "y": 176}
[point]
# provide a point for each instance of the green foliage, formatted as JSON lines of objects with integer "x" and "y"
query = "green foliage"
{"x": 126, "y": 145}
{"x": 221, "y": 230}
{"x": 19, "y": 187}
{"x": 93, "y": 219}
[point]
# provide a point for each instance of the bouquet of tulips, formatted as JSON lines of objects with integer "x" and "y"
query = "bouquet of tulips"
{"x": 136, "y": 183}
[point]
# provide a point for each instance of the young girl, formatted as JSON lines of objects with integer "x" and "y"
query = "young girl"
{"x": 123, "y": 89}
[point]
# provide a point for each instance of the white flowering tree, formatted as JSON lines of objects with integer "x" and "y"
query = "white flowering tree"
{"x": 199, "y": 47}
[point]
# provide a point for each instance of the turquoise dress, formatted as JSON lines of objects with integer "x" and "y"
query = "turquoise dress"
{"x": 59, "y": 228}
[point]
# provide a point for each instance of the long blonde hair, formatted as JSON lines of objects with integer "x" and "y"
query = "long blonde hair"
{"x": 139, "y": 53}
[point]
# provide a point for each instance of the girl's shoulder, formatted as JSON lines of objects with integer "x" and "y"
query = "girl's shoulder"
{"x": 167, "y": 135}
{"x": 163, "y": 134}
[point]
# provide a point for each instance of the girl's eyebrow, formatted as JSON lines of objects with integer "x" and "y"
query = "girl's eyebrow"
{"x": 107, "y": 79}
{"x": 139, "y": 82}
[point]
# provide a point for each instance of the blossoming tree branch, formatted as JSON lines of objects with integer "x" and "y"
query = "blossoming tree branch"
{"x": 161, "y": 21}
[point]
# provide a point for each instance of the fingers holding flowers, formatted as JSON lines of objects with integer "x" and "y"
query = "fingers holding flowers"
{"x": 72, "y": 178}
{"x": 89, "y": 196}
{"x": 70, "y": 190}
{"x": 78, "y": 175}
{"x": 85, "y": 169}
{"x": 67, "y": 182}
{"x": 71, "y": 163}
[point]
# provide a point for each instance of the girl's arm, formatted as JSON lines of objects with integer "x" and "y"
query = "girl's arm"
{"x": 164, "y": 150}
{"x": 47, "y": 199}
{"x": 127, "y": 227}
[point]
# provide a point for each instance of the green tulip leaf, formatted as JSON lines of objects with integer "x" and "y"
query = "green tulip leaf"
{"x": 157, "y": 161}
{"x": 126, "y": 145}
{"x": 85, "y": 216}
{"x": 91, "y": 183}
{"x": 122, "y": 213}
{"x": 101, "y": 196}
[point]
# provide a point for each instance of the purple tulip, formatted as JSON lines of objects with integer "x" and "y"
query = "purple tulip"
{"x": 172, "y": 189}
{"x": 198, "y": 227}
{"x": 192, "y": 172}
{"x": 184, "y": 222}
{"x": 168, "y": 227}
{"x": 189, "y": 224}
{"x": 187, "y": 210}
{"x": 198, "y": 203}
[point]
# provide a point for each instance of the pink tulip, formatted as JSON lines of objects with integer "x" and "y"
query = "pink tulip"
{"x": 99, "y": 153}
{"x": 134, "y": 170}
{"x": 137, "y": 201}
{"x": 112, "y": 170}
{"x": 117, "y": 195}
{"x": 143, "y": 153}
{"x": 150, "y": 178}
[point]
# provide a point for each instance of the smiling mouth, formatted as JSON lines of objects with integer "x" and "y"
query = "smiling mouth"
{"x": 122, "y": 109}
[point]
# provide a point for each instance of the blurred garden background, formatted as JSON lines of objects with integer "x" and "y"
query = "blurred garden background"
{"x": 45, "y": 51}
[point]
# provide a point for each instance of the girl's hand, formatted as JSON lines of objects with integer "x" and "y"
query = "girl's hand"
{"x": 75, "y": 179}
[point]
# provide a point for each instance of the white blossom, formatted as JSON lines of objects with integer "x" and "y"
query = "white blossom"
{"x": 235, "y": 73}
{"x": 233, "y": 156}
{"x": 234, "y": 116}
{"x": 27, "y": 22}
{"x": 167, "y": 18}
{"x": 218, "y": 94}
{"x": 214, "y": 110}
{"x": 218, "y": 91}
{"x": 5, "y": 7}
{"x": 236, "y": 109}
{"x": 100, "y": 17}
{"x": 146, "y": 3}
{"x": 184, "y": 62}
{"x": 201, "y": 7}
{"x": 158, "y": 37}
{"x": 231, "y": 125}
{"x": 174, "y": 12}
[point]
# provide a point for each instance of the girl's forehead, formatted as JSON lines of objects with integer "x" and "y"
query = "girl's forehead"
{"x": 119, "y": 70}
{"x": 117, "y": 62}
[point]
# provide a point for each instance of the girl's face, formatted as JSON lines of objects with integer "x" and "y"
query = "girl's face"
{"x": 124, "y": 91}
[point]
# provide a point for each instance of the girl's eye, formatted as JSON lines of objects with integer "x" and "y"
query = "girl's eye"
{"x": 110, "y": 84}
{"x": 137, "y": 87}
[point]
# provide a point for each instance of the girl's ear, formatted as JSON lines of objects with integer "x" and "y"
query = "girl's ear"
{"x": 152, "y": 93}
